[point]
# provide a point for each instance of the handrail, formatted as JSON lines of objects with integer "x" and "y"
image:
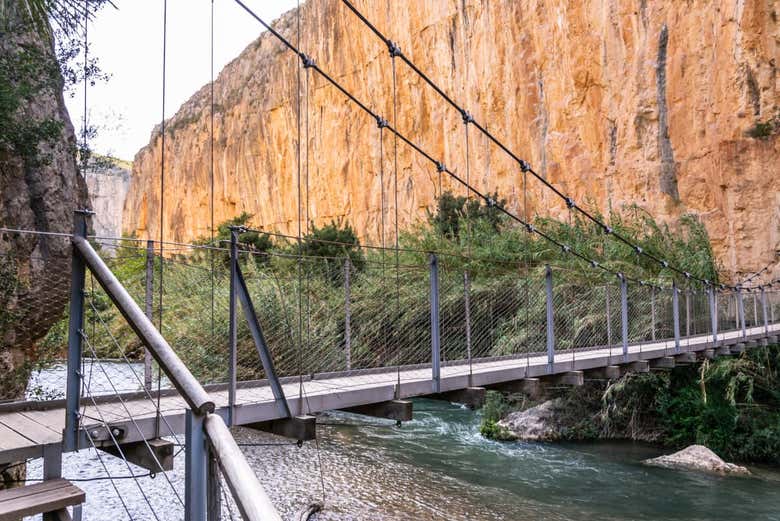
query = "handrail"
{"x": 248, "y": 492}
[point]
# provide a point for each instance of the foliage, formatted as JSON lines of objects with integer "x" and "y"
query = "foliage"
{"x": 496, "y": 407}
{"x": 765, "y": 129}
{"x": 453, "y": 211}
{"x": 333, "y": 242}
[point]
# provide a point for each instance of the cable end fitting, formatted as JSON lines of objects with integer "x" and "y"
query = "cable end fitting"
{"x": 307, "y": 62}
{"x": 393, "y": 48}
{"x": 524, "y": 166}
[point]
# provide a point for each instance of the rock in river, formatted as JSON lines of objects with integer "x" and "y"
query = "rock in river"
{"x": 698, "y": 458}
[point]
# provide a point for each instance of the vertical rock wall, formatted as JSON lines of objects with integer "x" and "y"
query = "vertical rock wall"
{"x": 614, "y": 101}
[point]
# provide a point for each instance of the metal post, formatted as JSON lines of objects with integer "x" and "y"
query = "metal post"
{"x": 52, "y": 469}
{"x": 75, "y": 326}
{"x": 755, "y": 310}
{"x": 624, "y": 314}
{"x": 196, "y": 465}
{"x": 687, "y": 312}
{"x": 676, "y": 313}
{"x": 741, "y": 312}
{"x": 148, "y": 299}
{"x": 763, "y": 309}
{"x": 548, "y": 286}
{"x": 435, "y": 333}
{"x": 609, "y": 318}
{"x": 713, "y": 314}
{"x": 347, "y": 314}
{"x": 652, "y": 313}
{"x": 233, "y": 325}
{"x": 467, "y": 311}
{"x": 214, "y": 502}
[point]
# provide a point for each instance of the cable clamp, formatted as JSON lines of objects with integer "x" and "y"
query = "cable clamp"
{"x": 524, "y": 166}
{"x": 594, "y": 264}
{"x": 638, "y": 249}
{"x": 307, "y": 62}
{"x": 607, "y": 229}
{"x": 490, "y": 202}
{"x": 619, "y": 275}
{"x": 467, "y": 118}
{"x": 381, "y": 122}
{"x": 687, "y": 275}
{"x": 530, "y": 228}
{"x": 440, "y": 166}
{"x": 664, "y": 264}
{"x": 393, "y": 48}
{"x": 566, "y": 248}
{"x": 570, "y": 203}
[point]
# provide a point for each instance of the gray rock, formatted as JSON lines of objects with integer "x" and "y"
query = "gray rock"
{"x": 698, "y": 458}
{"x": 534, "y": 424}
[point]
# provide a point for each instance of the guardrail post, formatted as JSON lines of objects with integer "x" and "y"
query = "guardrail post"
{"x": 435, "y": 333}
{"x": 755, "y": 310}
{"x": 741, "y": 312}
{"x": 763, "y": 310}
{"x": 233, "y": 324}
{"x": 148, "y": 309}
{"x": 713, "y": 300}
{"x": 214, "y": 503}
{"x": 652, "y": 313}
{"x": 347, "y": 314}
{"x": 609, "y": 317}
{"x": 196, "y": 465}
{"x": 687, "y": 312}
{"x": 75, "y": 327}
{"x": 548, "y": 290}
{"x": 467, "y": 312}
{"x": 676, "y": 313}
{"x": 624, "y": 314}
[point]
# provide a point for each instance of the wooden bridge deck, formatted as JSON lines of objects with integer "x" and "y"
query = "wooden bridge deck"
{"x": 27, "y": 427}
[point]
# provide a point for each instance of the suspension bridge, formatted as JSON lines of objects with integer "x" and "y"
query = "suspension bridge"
{"x": 196, "y": 338}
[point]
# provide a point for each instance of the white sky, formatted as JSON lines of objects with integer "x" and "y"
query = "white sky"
{"x": 128, "y": 43}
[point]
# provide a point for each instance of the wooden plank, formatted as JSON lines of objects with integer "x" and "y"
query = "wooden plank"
{"x": 29, "y": 429}
{"x": 10, "y": 439}
{"x": 48, "y": 496}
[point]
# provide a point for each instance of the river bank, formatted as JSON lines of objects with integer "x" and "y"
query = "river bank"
{"x": 731, "y": 405}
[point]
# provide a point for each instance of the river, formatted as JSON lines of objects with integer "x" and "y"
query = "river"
{"x": 438, "y": 467}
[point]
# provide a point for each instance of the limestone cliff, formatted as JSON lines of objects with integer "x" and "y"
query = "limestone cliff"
{"x": 40, "y": 187}
{"x": 107, "y": 182}
{"x": 670, "y": 105}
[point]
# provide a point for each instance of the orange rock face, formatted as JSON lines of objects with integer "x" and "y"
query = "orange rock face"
{"x": 615, "y": 102}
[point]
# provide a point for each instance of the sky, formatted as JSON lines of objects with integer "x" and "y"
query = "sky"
{"x": 128, "y": 44}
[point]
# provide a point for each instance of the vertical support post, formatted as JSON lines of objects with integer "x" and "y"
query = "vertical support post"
{"x": 435, "y": 333}
{"x": 148, "y": 309}
{"x": 755, "y": 310}
{"x": 687, "y": 312}
{"x": 196, "y": 465}
{"x": 548, "y": 289}
{"x": 609, "y": 317}
{"x": 676, "y": 313}
{"x": 763, "y": 310}
{"x": 741, "y": 312}
{"x": 347, "y": 314}
{"x": 713, "y": 299}
{"x": 652, "y": 313}
{"x": 75, "y": 326}
{"x": 214, "y": 502}
{"x": 52, "y": 469}
{"x": 624, "y": 315}
{"x": 233, "y": 324}
{"x": 467, "y": 312}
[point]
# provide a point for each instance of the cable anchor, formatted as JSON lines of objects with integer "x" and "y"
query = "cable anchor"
{"x": 440, "y": 167}
{"x": 393, "y": 48}
{"x": 381, "y": 122}
{"x": 307, "y": 61}
{"x": 467, "y": 118}
{"x": 524, "y": 166}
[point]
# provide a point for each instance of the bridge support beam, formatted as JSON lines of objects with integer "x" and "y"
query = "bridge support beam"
{"x": 737, "y": 348}
{"x": 529, "y": 386}
{"x": 610, "y": 372}
{"x": 575, "y": 378}
{"x": 398, "y": 410}
{"x": 751, "y": 344}
{"x": 471, "y": 397}
{"x": 772, "y": 339}
{"x": 639, "y": 366}
{"x": 663, "y": 363}
{"x": 301, "y": 428}
{"x": 707, "y": 354}
{"x": 157, "y": 456}
{"x": 723, "y": 350}
{"x": 685, "y": 358}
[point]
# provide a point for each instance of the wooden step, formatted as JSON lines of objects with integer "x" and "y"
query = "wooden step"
{"x": 50, "y": 496}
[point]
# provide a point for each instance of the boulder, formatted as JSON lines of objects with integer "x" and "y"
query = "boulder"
{"x": 535, "y": 424}
{"x": 698, "y": 458}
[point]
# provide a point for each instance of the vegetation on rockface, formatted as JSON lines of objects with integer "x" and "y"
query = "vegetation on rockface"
{"x": 765, "y": 129}
{"x": 731, "y": 405}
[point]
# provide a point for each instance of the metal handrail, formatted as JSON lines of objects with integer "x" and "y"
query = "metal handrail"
{"x": 246, "y": 489}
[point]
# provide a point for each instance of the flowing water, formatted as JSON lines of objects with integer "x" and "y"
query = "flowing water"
{"x": 438, "y": 467}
